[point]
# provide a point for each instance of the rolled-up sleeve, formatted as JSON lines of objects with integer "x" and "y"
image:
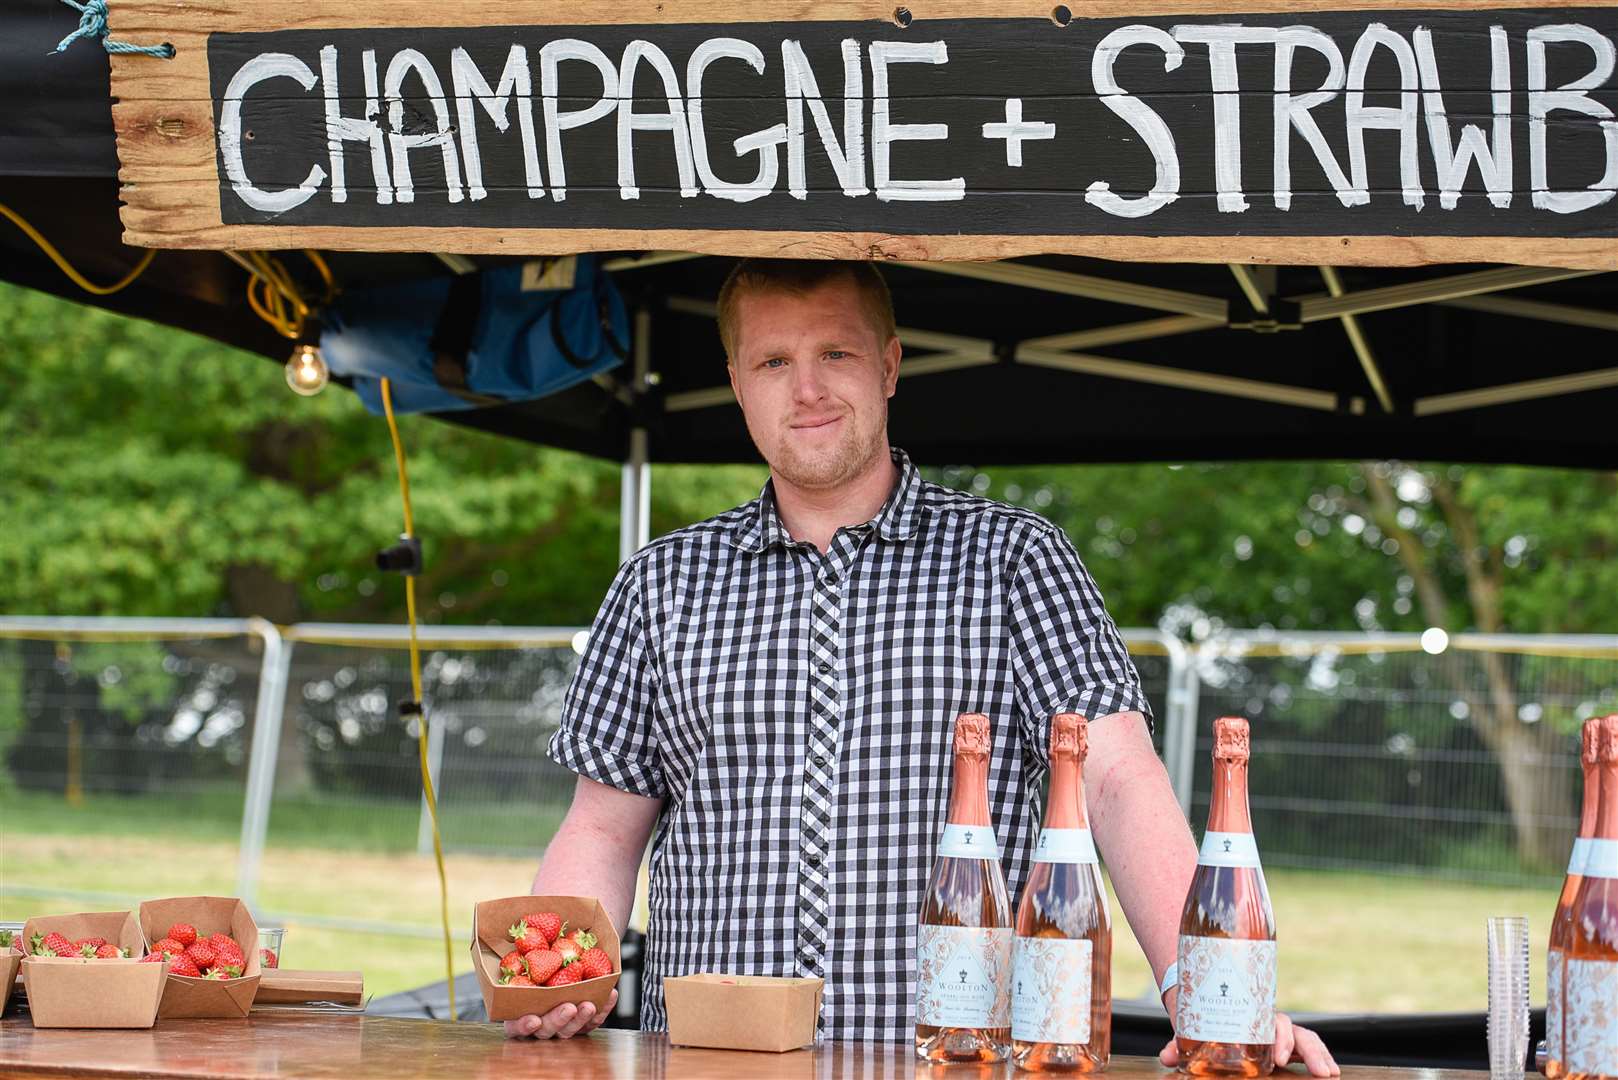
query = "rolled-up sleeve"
{"x": 608, "y": 730}
{"x": 1066, "y": 652}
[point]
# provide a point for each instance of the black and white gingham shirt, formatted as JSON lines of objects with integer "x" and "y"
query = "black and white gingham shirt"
{"x": 796, "y": 709}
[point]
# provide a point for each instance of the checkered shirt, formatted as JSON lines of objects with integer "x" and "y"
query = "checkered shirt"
{"x": 795, "y": 711}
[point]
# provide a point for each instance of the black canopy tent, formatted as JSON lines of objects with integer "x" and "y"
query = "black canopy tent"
{"x": 1044, "y": 359}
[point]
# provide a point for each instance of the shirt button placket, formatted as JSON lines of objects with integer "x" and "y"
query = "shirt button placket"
{"x": 814, "y": 899}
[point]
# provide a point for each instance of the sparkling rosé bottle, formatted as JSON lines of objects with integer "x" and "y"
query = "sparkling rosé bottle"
{"x": 1562, "y": 923}
{"x": 1061, "y": 994}
{"x": 1590, "y": 973}
{"x": 963, "y": 940}
{"x": 1224, "y": 1020}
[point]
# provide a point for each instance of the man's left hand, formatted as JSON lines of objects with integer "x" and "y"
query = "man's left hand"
{"x": 1292, "y": 1043}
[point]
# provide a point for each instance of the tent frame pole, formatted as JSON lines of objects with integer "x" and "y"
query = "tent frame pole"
{"x": 635, "y": 492}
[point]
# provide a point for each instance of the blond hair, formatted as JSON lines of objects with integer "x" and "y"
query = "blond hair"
{"x": 798, "y": 277}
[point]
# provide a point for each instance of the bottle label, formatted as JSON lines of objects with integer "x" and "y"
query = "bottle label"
{"x": 1601, "y": 859}
{"x": 1065, "y": 846}
{"x": 1050, "y": 990}
{"x": 963, "y": 976}
{"x": 1576, "y": 861}
{"x": 1590, "y": 1017}
{"x": 1227, "y": 990}
{"x": 1553, "y": 1005}
{"x": 1228, "y": 849}
{"x": 969, "y": 842}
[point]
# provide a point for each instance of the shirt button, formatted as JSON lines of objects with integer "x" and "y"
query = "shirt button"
{"x": 824, "y": 666}
{"x": 831, "y": 577}
{"x": 819, "y": 759}
{"x": 813, "y": 860}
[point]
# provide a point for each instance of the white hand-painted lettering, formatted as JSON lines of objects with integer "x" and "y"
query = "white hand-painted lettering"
{"x": 557, "y": 119}
{"x": 471, "y": 89}
{"x": 764, "y": 142}
{"x": 1292, "y": 111}
{"x": 1572, "y": 97}
{"x": 401, "y": 142}
{"x": 1016, "y": 129}
{"x": 1140, "y": 116}
{"x": 848, "y": 158}
{"x": 1222, "y": 41}
{"x": 1495, "y": 165}
{"x": 341, "y": 129}
{"x": 1400, "y": 118}
{"x": 262, "y": 67}
{"x": 884, "y": 133}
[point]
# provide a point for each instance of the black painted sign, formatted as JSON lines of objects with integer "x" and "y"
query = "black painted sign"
{"x": 1476, "y": 122}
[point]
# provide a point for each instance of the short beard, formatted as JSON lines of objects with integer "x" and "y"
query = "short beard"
{"x": 842, "y": 464}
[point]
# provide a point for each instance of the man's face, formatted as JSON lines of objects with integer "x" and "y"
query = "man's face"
{"x": 813, "y": 377}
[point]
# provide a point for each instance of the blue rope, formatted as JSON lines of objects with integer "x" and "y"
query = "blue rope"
{"x": 93, "y": 24}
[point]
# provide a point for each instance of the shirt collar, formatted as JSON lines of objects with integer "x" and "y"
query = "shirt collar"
{"x": 899, "y": 518}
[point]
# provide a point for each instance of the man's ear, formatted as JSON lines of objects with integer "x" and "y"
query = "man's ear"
{"x": 891, "y": 354}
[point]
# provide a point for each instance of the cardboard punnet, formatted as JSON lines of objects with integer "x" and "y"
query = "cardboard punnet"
{"x": 490, "y": 942}
{"x": 74, "y": 992}
{"x": 10, "y": 968}
{"x": 187, "y": 995}
{"x": 742, "y": 1012}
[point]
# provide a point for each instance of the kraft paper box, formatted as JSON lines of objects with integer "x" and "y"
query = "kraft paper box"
{"x": 74, "y": 992}
{"x": 490, "y": 942}
{"x": 187, "y": 995}
{"x": 742, "y": 1012}
{"x": 10, "y": 968}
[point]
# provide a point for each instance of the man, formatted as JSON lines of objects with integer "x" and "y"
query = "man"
{"x": 774, "y": 689}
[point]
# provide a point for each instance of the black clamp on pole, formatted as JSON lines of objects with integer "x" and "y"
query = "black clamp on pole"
{"x": 408, "y": 708}
{"x": 402, "y": 558}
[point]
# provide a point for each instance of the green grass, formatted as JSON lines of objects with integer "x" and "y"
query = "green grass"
{"x": 214, "y": 814}
{"x": 1349, "y": 942}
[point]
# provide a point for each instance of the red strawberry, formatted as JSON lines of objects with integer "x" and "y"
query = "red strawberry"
{"x": 511, "y": 963}
{"x": 109, "y": 952}
{"x": 51, "y": 944}
{"x": 226, "y": 968}
{"x": 517, "y": 980}
{"x": 169, "y": 945}
{"x": 268, "y": 959}
{"x": 153, "y": 958}
{"x": 542, "y": 964}
{"x": 184, "y": 933}
{"x": 184, "y": 965}
{"x": 569, "y": 949}
{"x": 548, "y": 923}
{"x": 527, "y": 937}
{"x": 90, "y": 943}
{"x": 227, "y": 950}
{"x": 593, "y": 963}
{"x": 218, "y": 973}
{"x": 202, "y": 955}
{"x": 583, "y": 939}
{"x": 565, "y": 977}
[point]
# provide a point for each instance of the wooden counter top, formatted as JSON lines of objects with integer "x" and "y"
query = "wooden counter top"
{"x": 356, "y": 1047}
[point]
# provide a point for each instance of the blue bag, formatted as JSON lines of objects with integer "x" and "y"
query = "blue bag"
{"x": 512, "y": 333}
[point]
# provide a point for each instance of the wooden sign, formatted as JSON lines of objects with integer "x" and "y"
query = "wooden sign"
{"x": 1188, "y": 131}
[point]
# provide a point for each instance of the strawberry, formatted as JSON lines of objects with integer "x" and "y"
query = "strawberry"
{"x": 542, "y": 964}
{"x": 89, "y": 943}
{"x": 218, "y": 973}
{"x": 565, "y": 977}
{"x": 201, "y": 954}
{"x": 583, "y": 939}
{"x": 226, "y": 949}
{"x": 184, "y": 965}
{"x": 593, "y": 963}
{"x": 527, "y": 937}
{"x": 153, "y": 958}
{"x": 184, "y": 933}
{"x": 569, "y": 949}
{"x": 110, "y": 952}
{"x": 226, "y": 969}
{"x": 268, "y": 959}
{"x": 169, "y": 945}
{"x": 511, "y": 963}
{"x": 546, "y": 922}
{"x": 517, "y": 980}
{"x": 51, "y": 944}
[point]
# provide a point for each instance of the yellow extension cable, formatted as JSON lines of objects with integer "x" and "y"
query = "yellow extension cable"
{"x": 415, "y": 686}
{"x": 66, "y": 267}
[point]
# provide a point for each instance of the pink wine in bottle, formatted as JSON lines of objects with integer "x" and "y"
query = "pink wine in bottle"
{"x": 1562, "y": 922}
{"x": 1224, "y": 1019}
{"x": 1590, "y": 973}
{"x": 963, "y": 940}
{"x": 1061, "y": 983}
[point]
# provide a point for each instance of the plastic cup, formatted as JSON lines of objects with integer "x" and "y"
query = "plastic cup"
{"x": 1508, "y": 996}
{"x": 270, "y": 938}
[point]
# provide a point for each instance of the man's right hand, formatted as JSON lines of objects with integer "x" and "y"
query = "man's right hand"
{"x": 562, "y": 1022}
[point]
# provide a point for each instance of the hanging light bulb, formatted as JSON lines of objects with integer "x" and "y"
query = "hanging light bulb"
{"x": 306, "y": 370}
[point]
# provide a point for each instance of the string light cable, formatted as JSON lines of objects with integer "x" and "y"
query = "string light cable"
{"x": 416, "y": 706}
{"x": 68, "y": 268}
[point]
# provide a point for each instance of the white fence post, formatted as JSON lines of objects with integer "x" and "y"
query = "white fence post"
{"x": 273, "y": 669}
{"x": 435, "y": 769}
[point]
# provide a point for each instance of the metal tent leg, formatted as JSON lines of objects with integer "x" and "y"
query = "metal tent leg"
{"x": 635, "y": 494}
